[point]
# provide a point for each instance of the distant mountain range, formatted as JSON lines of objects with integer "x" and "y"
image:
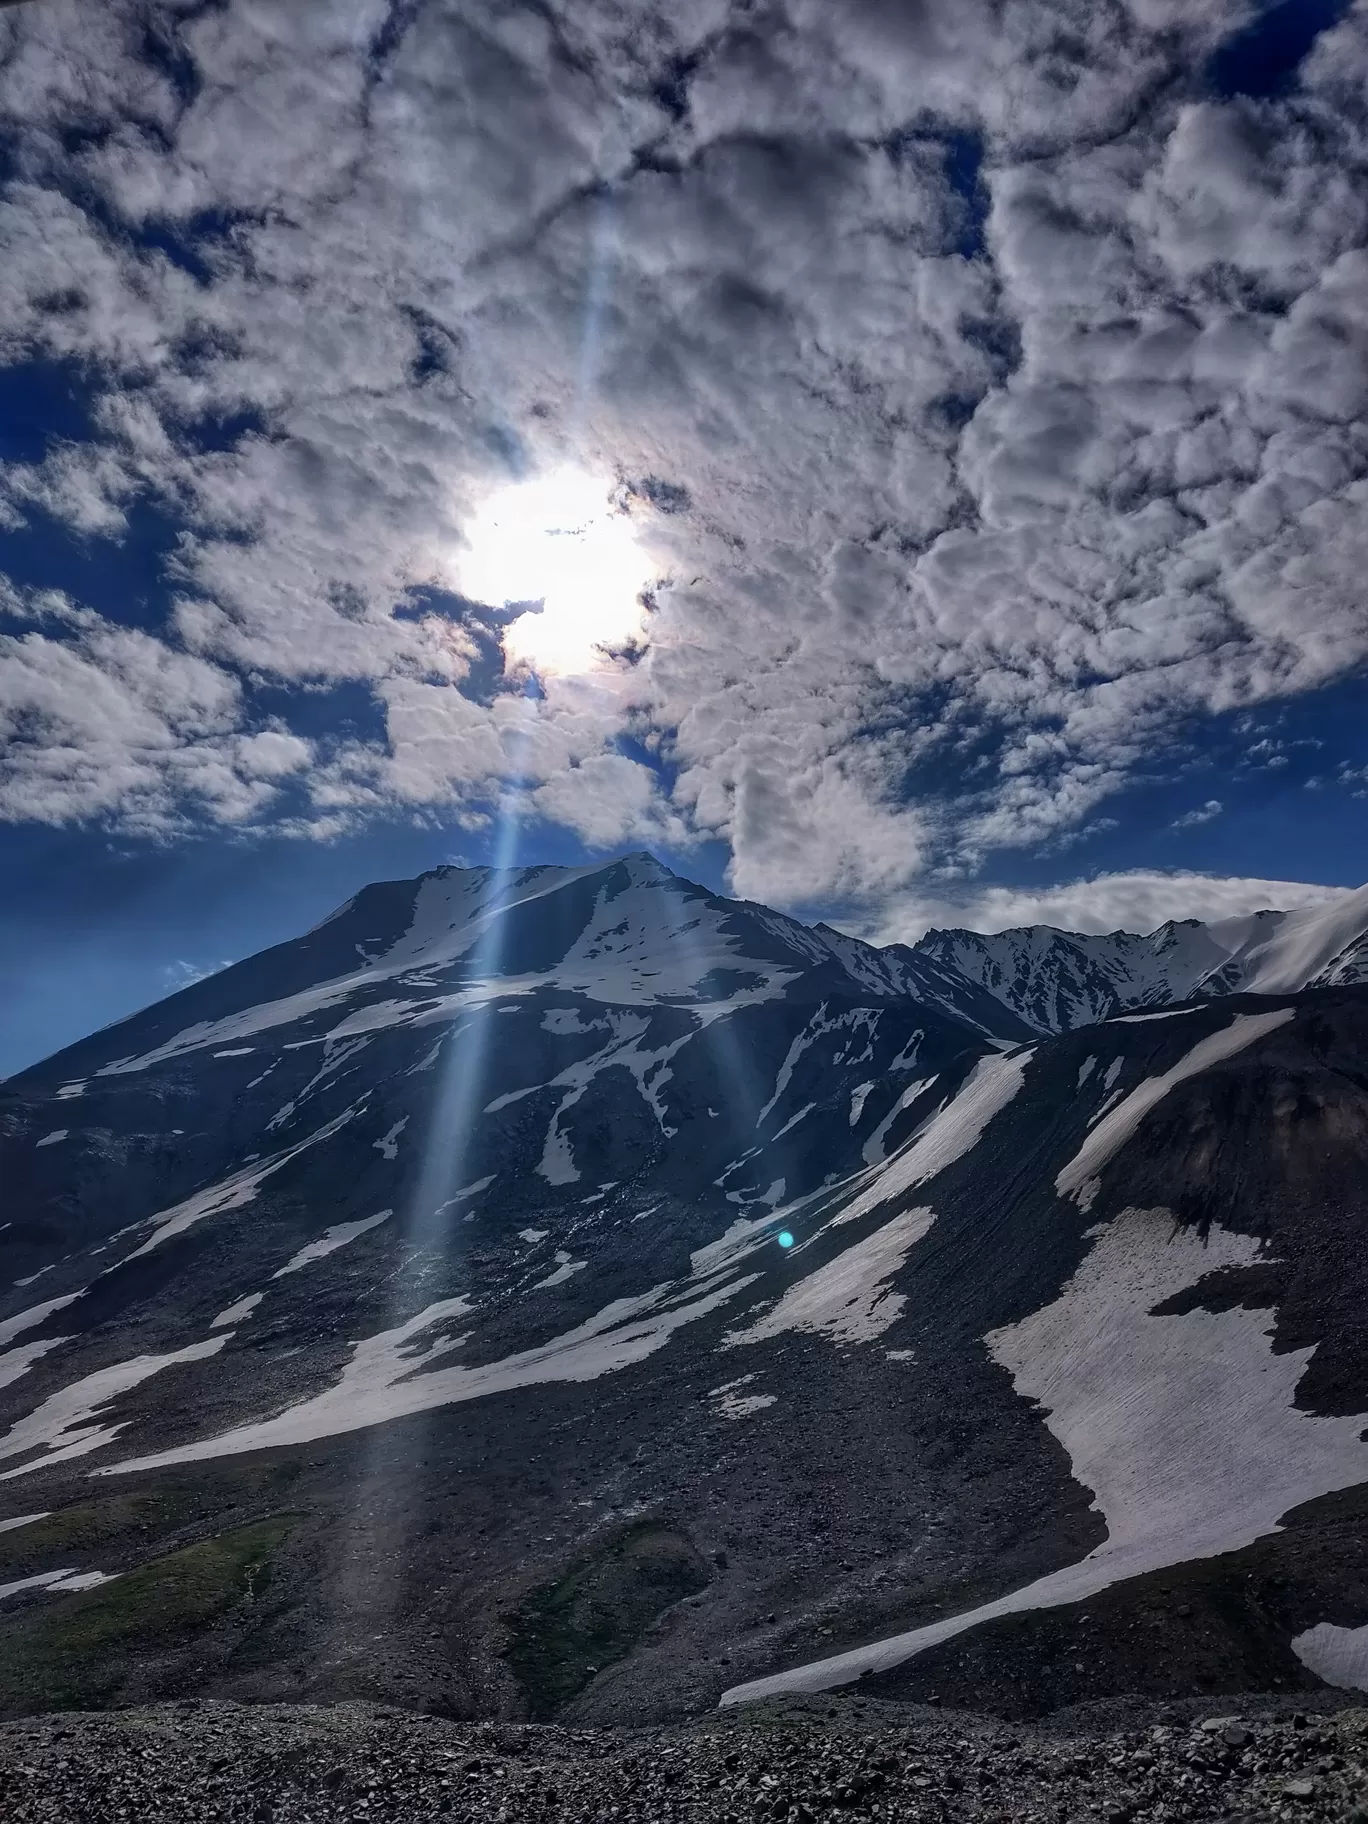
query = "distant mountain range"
{"x": 574, "y": 1292}
{"x": 1055, "y": 980}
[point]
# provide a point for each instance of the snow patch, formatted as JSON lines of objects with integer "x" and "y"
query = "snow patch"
{"x": 467, "y": 1190}
{"x": 948, "y": 1135}
{"x": 11, "y": 1526}
{"x": 565, "y": 1269}
{"x": 847, "y": 1299}
{"x": 1185, "y": 1426}
{"x": 234, "y": 1314}
{"x": 10, "y": 1327}
{"x": 58, "y": 1581}
{"x": 1337, "y": 1656}
{"x": 15, "y": 1362}
{"x": 426, "y": 1062}
{"x": 236, "y": 1051}
{"x": 388, "y": 1144}
{"x": 330, "y": 1241}
{"x": 380, "y": 1382}
{"x": 230, "y": 1193}
{"x": 567, "y": 1021}
{"x": 68, "y": 1090}
{"x": 858, "y": 1097}
{"x": 58, "y": 1133}
{"x": 557, "y": 1164}
{"x": 819, "y": 1026}
{"x": 873, "y": 1151}
{"x": 66, "y": 1424}
{"x": 793, "y": 1121}
{"x": 734, "y": 1405}
{"x": 1085, "y": 1070}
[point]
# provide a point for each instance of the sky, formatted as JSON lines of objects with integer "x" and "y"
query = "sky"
{"x": 903, "y": 462}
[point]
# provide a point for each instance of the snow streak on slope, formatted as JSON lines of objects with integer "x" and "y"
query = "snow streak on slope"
{"x": 59, "y": 1581}
{"x": 65, "y": 1426}
{"x": 10, "y": 1327}
{"x": 235, "y": 1314}
{"x": 948, "y": 1135}
{"x": 818, "y": 1027}
{"x": 330, "y": 1241}
{"x": 1079, "y": 1177}
{"x": 230, "y": 1193}
{"x": 15, "y": 1362}
{"x": 847, "y": 1299}
{"x": 872, "y": 1151}
{"x": 1184, "y": 1426}
{"x": 382, "y": 1382}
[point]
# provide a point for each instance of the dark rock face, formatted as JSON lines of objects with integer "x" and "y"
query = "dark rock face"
{"x": 574, "y": 1294}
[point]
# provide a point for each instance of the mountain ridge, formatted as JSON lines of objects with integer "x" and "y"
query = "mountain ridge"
{"x": 1006, "y": 986}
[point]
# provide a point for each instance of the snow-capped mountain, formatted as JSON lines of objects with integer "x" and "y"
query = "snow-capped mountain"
{"x": 1055, "y": 981}
{"x": 572, "y": 1292}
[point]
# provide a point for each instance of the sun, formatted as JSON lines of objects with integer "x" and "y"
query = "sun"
{"x": 558, "y": 540}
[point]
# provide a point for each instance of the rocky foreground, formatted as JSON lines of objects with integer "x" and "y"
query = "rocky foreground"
{"x": 852, "y": 1760}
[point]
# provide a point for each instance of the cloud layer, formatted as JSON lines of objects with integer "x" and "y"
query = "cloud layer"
{"x": 1136, "y": 900}
{"x": 990, "y": 393}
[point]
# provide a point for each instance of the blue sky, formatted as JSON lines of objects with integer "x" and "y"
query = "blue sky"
{"x": 941, "y": 460}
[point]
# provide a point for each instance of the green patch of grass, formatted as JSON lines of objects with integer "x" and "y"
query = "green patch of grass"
{"x": 139, "y": 1519}
{"x": 79, "y": 1649}
{"x": 569, "y": 1630}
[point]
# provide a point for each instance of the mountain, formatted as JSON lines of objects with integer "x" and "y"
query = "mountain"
{"x": 1054, "y": 981}
{"x": 574, "y": 1293}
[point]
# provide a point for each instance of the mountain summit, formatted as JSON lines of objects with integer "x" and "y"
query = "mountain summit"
{"x": 570, "y": 1291}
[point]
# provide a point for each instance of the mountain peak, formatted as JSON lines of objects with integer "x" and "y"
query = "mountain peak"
{"x": 645, "y": 870}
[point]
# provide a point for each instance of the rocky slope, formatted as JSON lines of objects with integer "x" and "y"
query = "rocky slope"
{"x": 578, "y": 1296}
{"x": 857, "y": 1763}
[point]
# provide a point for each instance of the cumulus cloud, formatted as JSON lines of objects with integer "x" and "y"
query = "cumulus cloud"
{"x": 992, "y": 397}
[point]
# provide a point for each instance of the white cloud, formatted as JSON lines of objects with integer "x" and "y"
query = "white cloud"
{"x": 182, "y": 974}
{"x": 1050, "y": 499}
{"x": 1136, "y": 900}
{"x": 1202, "y": 813}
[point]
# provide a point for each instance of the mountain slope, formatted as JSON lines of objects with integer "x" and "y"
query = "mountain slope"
{"x": 578, "y": 1294}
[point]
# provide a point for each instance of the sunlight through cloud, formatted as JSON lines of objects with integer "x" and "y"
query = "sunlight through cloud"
{"x": 559, "y": 541}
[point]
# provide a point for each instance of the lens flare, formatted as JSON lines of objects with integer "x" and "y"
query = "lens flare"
{"x": 558, "y": 541}
{"x": 784, "y": 1238}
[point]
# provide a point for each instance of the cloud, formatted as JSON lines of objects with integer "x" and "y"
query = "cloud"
{"x": 1135, "y": 900}
{"x": 182, "y": 974}
{"x": 1006, "y": 394}
{"x": 1202, "y": 813}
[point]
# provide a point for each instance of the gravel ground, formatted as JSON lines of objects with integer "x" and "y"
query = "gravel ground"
{"x": 860, "y": 1763}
